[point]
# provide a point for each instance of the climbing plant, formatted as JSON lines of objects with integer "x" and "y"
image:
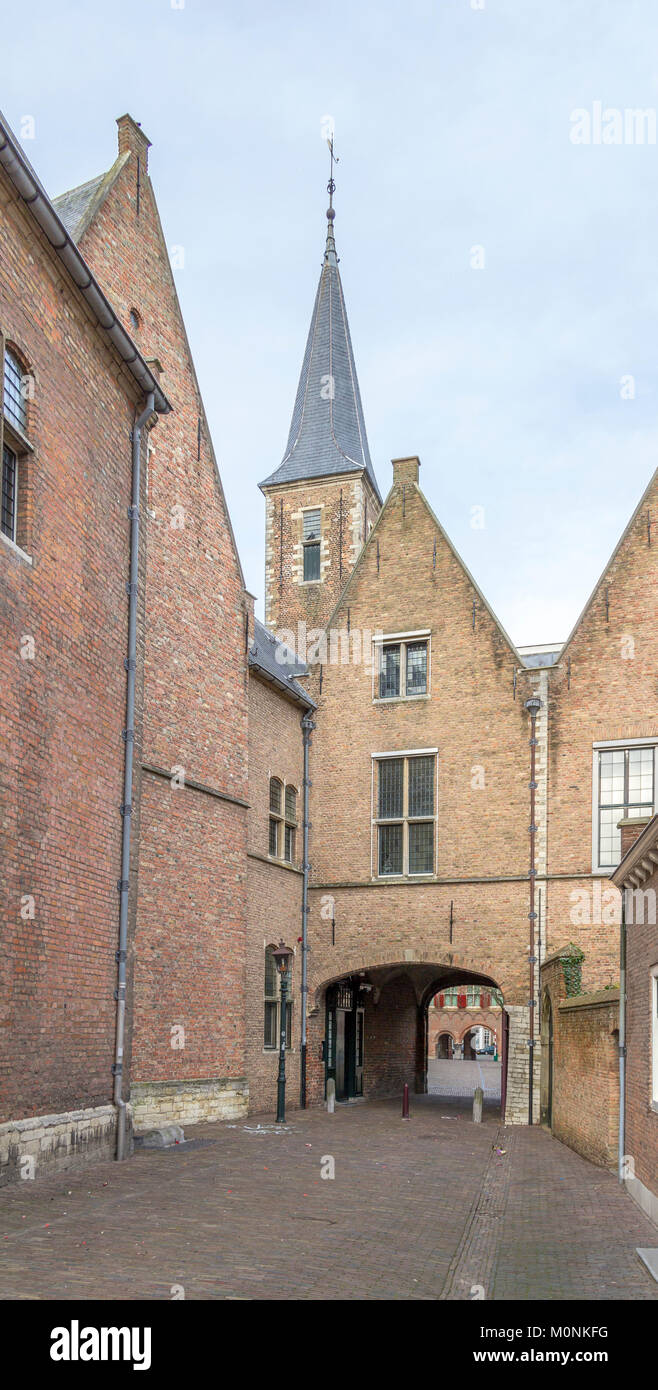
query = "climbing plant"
{"x": 572, "y": 967}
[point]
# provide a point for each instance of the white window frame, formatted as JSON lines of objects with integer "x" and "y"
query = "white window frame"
{"x": 401, "y": 639}
{"x": 602, "y": 747}
{"x": 653, "y": 1026}
{"x": 282, "y": 820}
{"x": 375, "y": 821}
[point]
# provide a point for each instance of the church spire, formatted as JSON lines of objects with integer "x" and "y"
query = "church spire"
{"x": 327, "y": 431}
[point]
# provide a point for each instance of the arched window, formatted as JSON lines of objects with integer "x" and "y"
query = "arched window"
{"x": 17, "y": 390}
{"x": 271, "y": 1019}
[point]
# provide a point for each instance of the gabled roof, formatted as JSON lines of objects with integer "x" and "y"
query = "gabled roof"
{"x": 278, "y": 663}
{"x": 327, "y": 431}
{"x": 372, "y": 540}
{"x": 626, "y": 532}
{"x": 78, "y": 206}
{"x": 31, "y": 191}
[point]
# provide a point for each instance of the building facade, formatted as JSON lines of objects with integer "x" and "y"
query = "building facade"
{"x": 422, "y": 860}
{"x": 381, "y": 713}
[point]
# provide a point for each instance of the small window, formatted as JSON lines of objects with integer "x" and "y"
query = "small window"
{"x": 291, "y": 825}
{"x": 9, "y": 474}
{"x": 311, "y": 537}
{"x": 135, "y": 320}
{"x": 405, "y": 820}
{"x": 14, "y": 397}
{"x": 402, "y": 670}
{"x": 15, "y": 447}
{"x": 282, "y": 821}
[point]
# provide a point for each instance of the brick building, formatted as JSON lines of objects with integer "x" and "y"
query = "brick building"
{"x": 637, "y": 878}
{"x": 420, "y": 806}
{"x": 419, "y": 873}
{"x": 91, "y": 318}
{"x": 460, "y": 1016}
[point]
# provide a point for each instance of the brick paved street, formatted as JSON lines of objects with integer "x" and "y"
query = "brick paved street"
{"x": 418, "y": 1210}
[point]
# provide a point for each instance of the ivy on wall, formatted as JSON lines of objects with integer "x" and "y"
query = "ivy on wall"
{"x": 572, "y": 968}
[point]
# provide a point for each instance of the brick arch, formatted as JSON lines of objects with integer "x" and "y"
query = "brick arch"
{"x": 353, "y": 963}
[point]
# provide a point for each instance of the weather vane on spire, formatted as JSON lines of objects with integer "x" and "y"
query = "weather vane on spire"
{"x": 331, "y": 187}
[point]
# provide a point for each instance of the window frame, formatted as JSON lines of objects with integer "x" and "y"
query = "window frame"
{"x": 15, "y": 440}
{"x": 606, "y": 746}
{"x": 312, "y": 542}
{"x": 405, "y": 820}
{"x": 285, "y": 825}
{"x": 403, "y": 640}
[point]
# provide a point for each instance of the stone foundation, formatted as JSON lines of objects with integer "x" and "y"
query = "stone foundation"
{"x": 46, "y": 1144}
{"x": 516, "y": 1106}
{"x": 188, "y": 1102}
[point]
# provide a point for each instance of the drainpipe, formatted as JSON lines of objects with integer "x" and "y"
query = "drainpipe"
{"x": 622, "y": 1037}
{"x": 533, "y": 706}
{"x": 126, "y": 809}
{"x": 307, "y": 726}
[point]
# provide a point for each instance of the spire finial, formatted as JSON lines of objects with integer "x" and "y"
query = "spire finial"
{"x": 330, "y": 249}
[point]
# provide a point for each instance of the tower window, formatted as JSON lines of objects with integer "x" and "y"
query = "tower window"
{"x": 311, "y": 534}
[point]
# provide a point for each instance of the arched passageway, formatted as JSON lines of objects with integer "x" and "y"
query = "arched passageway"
{"x": 372, "y": 1027}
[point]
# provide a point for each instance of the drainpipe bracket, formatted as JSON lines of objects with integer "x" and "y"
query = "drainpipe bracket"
{"x": 123, "y": 884}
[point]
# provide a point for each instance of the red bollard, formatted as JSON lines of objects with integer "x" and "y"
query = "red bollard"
{"x": 405, "y": 1102}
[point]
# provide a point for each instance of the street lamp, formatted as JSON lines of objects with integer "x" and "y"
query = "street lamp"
{"x": 282, "y": 955}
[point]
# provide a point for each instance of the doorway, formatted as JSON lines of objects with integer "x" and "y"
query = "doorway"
{"x": 344, "y": 1041}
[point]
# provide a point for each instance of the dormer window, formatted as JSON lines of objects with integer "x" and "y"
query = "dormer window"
{"x": 311, "y": 541}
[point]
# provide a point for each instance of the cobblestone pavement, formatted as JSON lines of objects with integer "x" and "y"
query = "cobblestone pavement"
{"x": 459, "y": 1078}
{"x": 420, "y": 1210}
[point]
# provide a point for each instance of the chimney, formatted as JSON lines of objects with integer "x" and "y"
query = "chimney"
{"x": 631, "y": 828}
{"x": 132, "y": 139}
{"x": 405, "y": 470}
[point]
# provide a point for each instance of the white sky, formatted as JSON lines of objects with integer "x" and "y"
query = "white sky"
{"x": 452, "y": 128}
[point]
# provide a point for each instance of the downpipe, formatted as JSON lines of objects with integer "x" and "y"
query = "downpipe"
{"x": 307, "y": 726}
{"x": 126, "y": 808}
{"x": 622, "y": 1039}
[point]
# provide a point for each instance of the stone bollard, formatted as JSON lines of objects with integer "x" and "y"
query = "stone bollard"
{"x": 405, "y": 1102}
{"x": 478, "y": 1098}
{"x": 331, "y": 1095}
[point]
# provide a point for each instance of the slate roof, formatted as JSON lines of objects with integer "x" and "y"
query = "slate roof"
{"x": 327, "y": 431}
{"x": 72, "y": 207}
{"x": 278, "y": 663}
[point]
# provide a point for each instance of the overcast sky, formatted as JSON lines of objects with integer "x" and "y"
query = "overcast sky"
{"x": 454, "y": 129}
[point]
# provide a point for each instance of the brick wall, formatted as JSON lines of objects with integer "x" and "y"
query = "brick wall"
{"x": 191, "y": 934}
{"x": 349, "y": 508}
{"x": 585, "y": 1090}
{"x": 63, "y": 711}
{"x": 274, "y": 889}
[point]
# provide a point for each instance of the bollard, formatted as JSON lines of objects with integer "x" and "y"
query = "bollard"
{"x": 477, "y": 1105}
{"x": 331, "y": 1095}
{"x": 405, "y": 1102}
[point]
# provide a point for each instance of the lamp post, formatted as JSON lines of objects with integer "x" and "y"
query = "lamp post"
{"x": 282, "y": 955}
{"x": 533, "y": 706}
